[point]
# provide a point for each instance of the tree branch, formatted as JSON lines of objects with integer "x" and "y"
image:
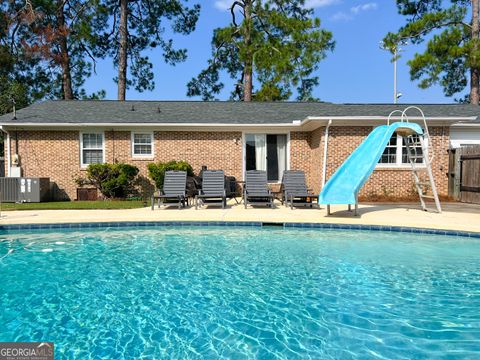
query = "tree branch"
{"x": 114, "y": 23}
{"x": 94, "y": 61}
{"x": 232, "y": 11}
{"x": 427, "y": 30}
{"x": 79, "y": 12}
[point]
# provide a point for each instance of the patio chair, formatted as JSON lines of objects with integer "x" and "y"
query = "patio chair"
{"x": 231, "y": 188}
{"x": 256, "y": 191}
{"x": 295, "y": 191}
{"x": 213, "y": 189}
{"x": 174, "y": 189}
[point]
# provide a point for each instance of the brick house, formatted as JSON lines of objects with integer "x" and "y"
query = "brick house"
{"x": 58, "y": 139}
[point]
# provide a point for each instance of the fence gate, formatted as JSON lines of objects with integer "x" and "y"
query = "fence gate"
{"x": 453, "y": 191}
{"x": 466, "y": 174}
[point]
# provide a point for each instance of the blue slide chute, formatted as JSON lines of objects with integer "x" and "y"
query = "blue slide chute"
{"x": 344, "y": 185}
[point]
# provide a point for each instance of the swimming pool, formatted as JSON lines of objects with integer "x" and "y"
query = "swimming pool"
{"x": 208, "y": 292}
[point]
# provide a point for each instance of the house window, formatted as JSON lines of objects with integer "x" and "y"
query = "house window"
{"x": 91, "y": 148}
{"x": 417, "y": 150}
{"x": 266, "y": 152}
{"x": 142, "y": 144}
{"x": 395, "y": 153}
{"x": 389, "y": 155}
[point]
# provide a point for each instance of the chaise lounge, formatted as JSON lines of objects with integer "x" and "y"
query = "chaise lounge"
{"x": 256, "y": 191}
{"x": 173, "y": 191}
{"x": 295, "y": 192}
{"x": 213, "y": 189}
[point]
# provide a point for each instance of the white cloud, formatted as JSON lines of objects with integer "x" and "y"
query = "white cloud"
{"x": 354, "y": 11}
{"x": 364, "y": 7}
{"x": 342, "y": 16}
{"x": 319, "y": 3}
{"x": 223, "y": 4}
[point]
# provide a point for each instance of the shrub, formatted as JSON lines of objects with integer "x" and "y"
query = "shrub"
{"x": 112, "y": 180}
{"x": 157, "y": 171}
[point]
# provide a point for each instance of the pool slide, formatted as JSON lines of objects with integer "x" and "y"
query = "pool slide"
{"x": 343, "y": 186}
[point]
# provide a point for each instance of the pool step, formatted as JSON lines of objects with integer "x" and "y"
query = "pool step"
{"x": 272, "y": 224}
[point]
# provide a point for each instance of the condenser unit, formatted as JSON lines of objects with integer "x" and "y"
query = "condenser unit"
{"x": 24, "y": 189}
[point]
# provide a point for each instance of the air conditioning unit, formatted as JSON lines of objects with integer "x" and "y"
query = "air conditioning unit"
{"x": 9, "y": 189}
{"x": 24, "y": 189}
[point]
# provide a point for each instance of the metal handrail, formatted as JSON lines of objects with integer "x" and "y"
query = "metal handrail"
{"x": 404, "y": 114}
{"x": 404, "y": 117}
{"x": 430, "y": 151}
{"x": 393, "y": 112}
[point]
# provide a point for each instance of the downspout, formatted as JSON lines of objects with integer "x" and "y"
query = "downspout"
{"x": 113, "y": 146}
{"x": 325, "y": 152}
{"x": 16, "y": 141}
{"x": 7, "y": 173}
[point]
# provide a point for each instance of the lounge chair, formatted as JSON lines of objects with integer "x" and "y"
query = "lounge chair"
{"x": 256, "y": 191}
{"x": 295, "y": 192}
{"x": 174, "y": 188}
{"x": 213, "y": 189}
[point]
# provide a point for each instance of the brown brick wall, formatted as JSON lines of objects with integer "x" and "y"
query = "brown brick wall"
{"x": 300, "y": 152}
{"x": 317, "y": 144}
{"x": 216, "y": 150}
{"x": 55, "y": 154}
{"x": 306, "y": 153}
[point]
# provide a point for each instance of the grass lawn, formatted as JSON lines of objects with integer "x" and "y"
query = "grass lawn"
{"x": 74, "y": 205}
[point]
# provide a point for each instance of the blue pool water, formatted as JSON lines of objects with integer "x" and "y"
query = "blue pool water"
{"x": 241, "y": 293}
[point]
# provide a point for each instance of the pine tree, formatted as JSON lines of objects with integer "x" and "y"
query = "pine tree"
{"x": 452, "y": 54}
{"x": 137, "y": 26}
{"x": 59, "y": 36}
{"x": 275, "y": 43}
{"x": 23, "y": 79}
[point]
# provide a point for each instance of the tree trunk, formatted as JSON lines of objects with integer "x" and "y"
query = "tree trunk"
{"x": 65, "y": 58}
{"x": 475, "y": 71}
{"x": 248, "y": 81}
{"x": 122, "y": 52}
{"x": 248, "y": 68}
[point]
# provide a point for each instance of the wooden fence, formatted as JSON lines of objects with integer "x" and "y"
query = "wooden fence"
{"x": 464, "y": 174}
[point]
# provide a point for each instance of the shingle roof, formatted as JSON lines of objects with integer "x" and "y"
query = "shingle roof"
{"x": 178, "y": 112}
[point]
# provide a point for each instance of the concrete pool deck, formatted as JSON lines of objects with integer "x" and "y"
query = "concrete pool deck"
{"x": 455, "y": 216}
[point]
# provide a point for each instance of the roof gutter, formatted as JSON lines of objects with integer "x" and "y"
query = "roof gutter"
{"x": 468, "y": 125}
{"x": 395, "y": 118}
{"x": 295, "y": 123}
{"x": 187, "y": 125}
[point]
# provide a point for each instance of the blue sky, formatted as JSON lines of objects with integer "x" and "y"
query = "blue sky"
{"x": 357, "y": 71}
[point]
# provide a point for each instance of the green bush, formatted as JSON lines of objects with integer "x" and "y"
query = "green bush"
{"x": 157, "y": 171}
{"x": 112, "y": 180}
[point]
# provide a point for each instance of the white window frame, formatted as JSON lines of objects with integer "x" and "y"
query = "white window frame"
{"x": 399, "y": 155}
{"x": 266, "y": 132}
{"x": 82, "y": 165}
{"x": 132, "y": 145}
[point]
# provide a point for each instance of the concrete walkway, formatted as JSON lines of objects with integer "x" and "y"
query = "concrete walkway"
{"x": 455, "y": 216}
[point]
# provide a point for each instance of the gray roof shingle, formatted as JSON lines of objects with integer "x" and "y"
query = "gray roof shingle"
{"x": 178, "y": 112}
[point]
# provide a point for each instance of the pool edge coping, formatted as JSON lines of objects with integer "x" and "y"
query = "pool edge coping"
{"x": 256, "y": 224}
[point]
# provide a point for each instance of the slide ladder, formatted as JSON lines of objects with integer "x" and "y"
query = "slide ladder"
{"x": 423, "y": 142}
